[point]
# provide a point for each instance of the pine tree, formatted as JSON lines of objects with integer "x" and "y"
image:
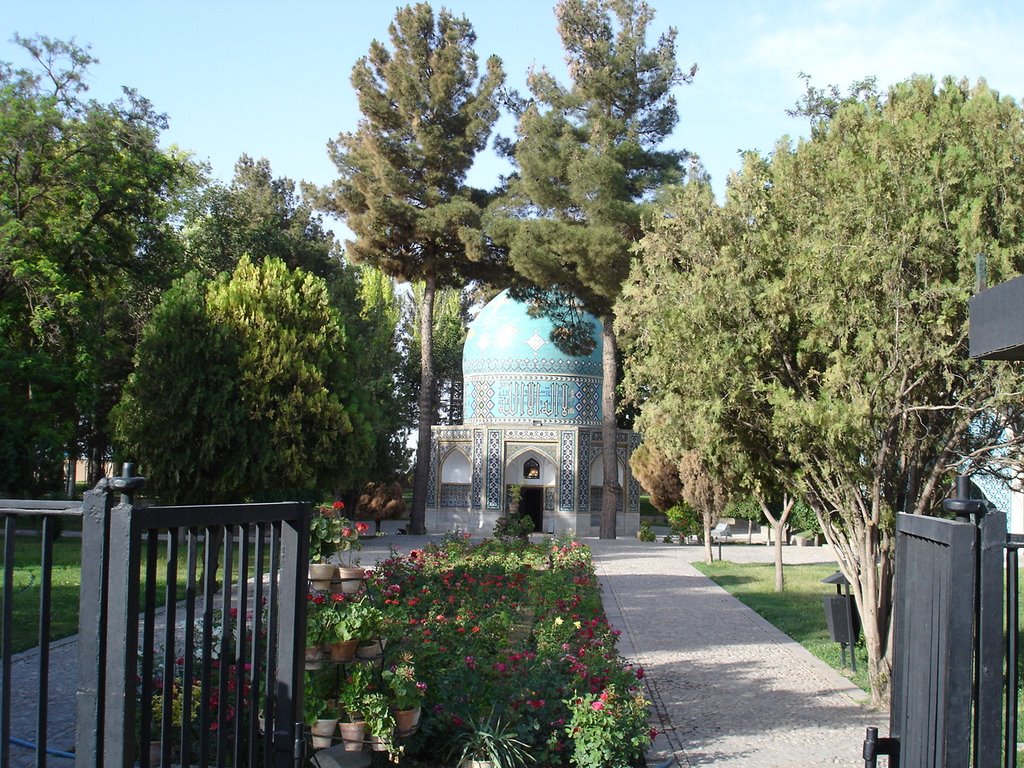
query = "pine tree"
{"x": 401, "y": 190}
{"x": 588, "y": 163}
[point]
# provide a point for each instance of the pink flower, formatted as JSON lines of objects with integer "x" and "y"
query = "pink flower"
{"x": 597, "y": 705}
{"x": 362, "y": 527}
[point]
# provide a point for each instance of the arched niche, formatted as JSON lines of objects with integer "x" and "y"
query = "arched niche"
{"x": 597, "y": 471}
{"x": 517, "y": 469}
{"x": 456, "y": 468}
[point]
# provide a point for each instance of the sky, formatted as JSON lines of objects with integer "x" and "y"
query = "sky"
{"x": 271, "y": 79}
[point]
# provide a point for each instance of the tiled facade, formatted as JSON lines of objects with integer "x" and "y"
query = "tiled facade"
{"x": 528, "y": 406}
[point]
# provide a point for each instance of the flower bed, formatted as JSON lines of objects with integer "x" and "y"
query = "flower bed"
{"x": 513, "y": 635}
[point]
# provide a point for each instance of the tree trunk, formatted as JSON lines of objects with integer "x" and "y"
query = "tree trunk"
{"x": 418, "y": 515}
{"x": 750, "y": 530}
{"x": 779, "y": 529}
{"x": 609, "y": 430}
{"x": 709, "y": 554}
{"x": 872, "y": 591}
{"x": 780, "y": 578}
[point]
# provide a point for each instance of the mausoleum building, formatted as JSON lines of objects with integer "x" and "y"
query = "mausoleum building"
{"x": 532, "y": 418}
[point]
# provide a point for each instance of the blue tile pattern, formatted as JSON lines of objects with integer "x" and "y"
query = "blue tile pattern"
{"x": 494, "y": 469}
{"x": 567, "y": 476}
{"x": 518, "y": 398}
{"x": 478, "y": 468}
{"x": 584, "y": 468}
{"x": 572, "y": 367}
{"x": 549, "y": 499}
{"x": 454, "y": 495}
{"x": 531, "y": 434}
{"x": 432, "y": 475}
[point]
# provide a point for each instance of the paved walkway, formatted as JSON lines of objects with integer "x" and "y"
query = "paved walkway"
{"x": 729, "y": 689}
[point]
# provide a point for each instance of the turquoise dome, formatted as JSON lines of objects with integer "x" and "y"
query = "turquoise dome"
{"x": 514, "y": 373}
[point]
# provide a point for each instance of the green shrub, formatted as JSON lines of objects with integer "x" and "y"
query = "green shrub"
{"x": 684, "y": 520}
{"x": 513, "y": 527}
{"x": 646, "y": 533}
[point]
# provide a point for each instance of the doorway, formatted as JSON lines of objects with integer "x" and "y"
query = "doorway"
{"x": 532, "y": 504}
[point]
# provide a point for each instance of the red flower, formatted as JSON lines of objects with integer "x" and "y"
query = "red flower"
{"x": 338, "y": 505}
{"x": 362, "y": 527}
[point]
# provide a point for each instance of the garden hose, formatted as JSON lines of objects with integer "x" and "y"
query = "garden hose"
{"x": 29, "y": 745}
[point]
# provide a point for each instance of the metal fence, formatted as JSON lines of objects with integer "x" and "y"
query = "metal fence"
{"x": 191, "y": 632}
{"x": 954, "y": 686}
{"x": 42, "y": 519}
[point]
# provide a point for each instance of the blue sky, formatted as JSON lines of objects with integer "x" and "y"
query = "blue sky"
{"x": 271, "y": 79}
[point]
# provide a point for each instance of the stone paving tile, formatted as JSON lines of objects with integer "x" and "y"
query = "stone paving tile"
{"x": 728, "y": 688}
{"x": 63, "y": 685}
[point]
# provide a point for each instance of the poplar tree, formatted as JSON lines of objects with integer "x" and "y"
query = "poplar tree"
{"x": 426, "y": 113}
{"x": 588, "y": 163}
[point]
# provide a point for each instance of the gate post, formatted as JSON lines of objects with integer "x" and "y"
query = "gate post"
{"x": 97, "y": 722}
{"x": 989, "y": 639}
{"x": 92, "y": 626}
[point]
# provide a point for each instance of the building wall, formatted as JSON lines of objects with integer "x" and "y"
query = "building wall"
{"x": 471, "y": 470}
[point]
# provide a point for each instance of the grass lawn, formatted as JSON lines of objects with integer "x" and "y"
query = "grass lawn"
{"x": 67, "y": 574}
{"x": 66, "y": 578}
{"x": 799, "y": 611}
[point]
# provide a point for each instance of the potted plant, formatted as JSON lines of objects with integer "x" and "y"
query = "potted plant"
{"x": 325, "y": 536}
{"x": 319, "y": 712}
{"x": 490, "y": 744}
{"x": 316, "y": 628}
{"x": 406, "y": 692}
{"x": 341, "y": 624}
{"x": 156, "y": 743}
{"x": 351, "y": 696}
{"x": 379, "y": 721}
{"x": 366, "y": 619}
{"x": 349, "y": 572}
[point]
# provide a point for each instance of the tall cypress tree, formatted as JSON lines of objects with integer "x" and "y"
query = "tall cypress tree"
{"x": 401, "y": 189}
{"x": 588, "y": 162}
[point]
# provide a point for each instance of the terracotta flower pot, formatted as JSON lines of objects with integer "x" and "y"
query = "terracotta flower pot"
{"x": 323, "y": 731}
{"x": 370, "y": 650}
{"x": 406, "y": 720}
{"x": 377, "y": 744}
{"x": 321, "y": 574}
{"x": 344, "y": 651}
{"x": 352, "y": 578}
{"x": 353, "y": 735}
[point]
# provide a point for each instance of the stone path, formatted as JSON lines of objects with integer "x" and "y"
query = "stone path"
{"x": 729, "y": 689}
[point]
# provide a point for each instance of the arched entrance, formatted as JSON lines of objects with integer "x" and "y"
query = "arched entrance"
{"x": 531, "y": 503}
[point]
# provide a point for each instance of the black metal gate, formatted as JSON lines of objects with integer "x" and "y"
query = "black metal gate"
{"x": 952, "y": 704}
{"x": 191, "y": 632}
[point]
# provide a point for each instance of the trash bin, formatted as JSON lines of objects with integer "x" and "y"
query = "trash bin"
{"x": 841, "y": 616}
